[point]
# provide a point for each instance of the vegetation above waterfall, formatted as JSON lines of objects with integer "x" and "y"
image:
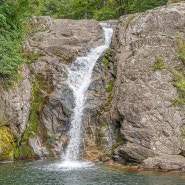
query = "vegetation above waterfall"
{"x": 13, "y": 16}
{"x": 96, "y": 9}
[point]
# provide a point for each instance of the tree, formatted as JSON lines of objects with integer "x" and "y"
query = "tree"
{"x": 98, "y": 9}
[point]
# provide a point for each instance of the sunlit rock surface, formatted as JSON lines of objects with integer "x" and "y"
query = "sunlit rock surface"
{"x": 142, "y": 95}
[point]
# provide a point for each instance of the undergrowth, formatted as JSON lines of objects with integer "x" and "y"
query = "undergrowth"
{"x": 159, "y": 63}
{"x": 179, "y": 75}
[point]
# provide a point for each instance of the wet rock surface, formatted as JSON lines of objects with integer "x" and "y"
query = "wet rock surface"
{"x": 38, "y": 108}
{"x": 14, "y": 111}
{"x": 59, "y": 42}
{"x": 99, "y": 134}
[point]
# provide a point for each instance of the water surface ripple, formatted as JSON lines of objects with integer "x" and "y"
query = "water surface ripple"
{"x": 50, "y": 173}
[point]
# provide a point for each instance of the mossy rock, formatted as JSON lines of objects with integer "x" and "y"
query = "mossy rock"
{"x": 6, "y": 144}
{"x": 159, "y": 64}
{"x": 24, "y": 152}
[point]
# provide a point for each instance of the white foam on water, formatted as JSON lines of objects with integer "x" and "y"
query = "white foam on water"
{"x": 69, "y": 166}
{"x": 76, "y": 164}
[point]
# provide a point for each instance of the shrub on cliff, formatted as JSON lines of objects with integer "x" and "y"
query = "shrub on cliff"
{"x": 12, "y": 28}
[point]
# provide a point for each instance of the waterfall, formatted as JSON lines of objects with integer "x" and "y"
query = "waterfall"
{"x": 79, "y": 79}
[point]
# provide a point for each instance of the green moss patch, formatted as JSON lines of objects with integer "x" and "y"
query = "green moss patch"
{"x": 6, "y": 144}
{"x": 22, "y": 150}
{"x": 32, "y": 56}
{"x": 110, "y": 86}
{"x": 179, "y": 83}
{"x": 159, "y": 64}
{"x": 180, "y": 51}
{"x": 107, "y": 62}
{"x": 40, "y": 85}
{"x": 7, "y": 81}
{"x": 109, "y": 99}
{"x": 106, "y": 58}
{"x": 175, "y": 1}
{"x": 179, "y": 74}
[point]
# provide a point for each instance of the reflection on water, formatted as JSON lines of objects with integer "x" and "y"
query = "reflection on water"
{"x": 51, "y": 173}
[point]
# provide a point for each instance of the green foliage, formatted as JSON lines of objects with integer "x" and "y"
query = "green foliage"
{"x": 159, "y": 64}
{"x": 6, "y": 140}
{"x": 53, "y": 7}
{"x": 23, "y": 150}
{"x": 7, "y": 82}
{"x": 9, "y": 58}
{"x": 12, "y": 17}
{"x": 181, "y": 50}
{"x": 179, "y": 83}
{"x": 109, "y": 99}
{"x": 179, "y": 75}
{"x": 142, "y": 5}
{"x": 175, "y": 1}
{"x": 31, "y": 56}
{"x": 110, "y": 86}
{"x": 105, "y": 11}
{"x": 97, "y": 9}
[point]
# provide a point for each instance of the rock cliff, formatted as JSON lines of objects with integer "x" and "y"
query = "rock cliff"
{"x": 37, "y": 109}
{"x": 14, "y": 112}
{"x": 134, "y": 111}
{"x": 145, "y": 99}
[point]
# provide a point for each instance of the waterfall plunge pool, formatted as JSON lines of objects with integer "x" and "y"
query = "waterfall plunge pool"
{"x": 51, "y": 173}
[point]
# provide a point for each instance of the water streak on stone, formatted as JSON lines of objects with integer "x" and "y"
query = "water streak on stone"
{"x": 79, "y": 78}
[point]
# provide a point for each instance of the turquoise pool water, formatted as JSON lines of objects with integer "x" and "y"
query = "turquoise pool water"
{"x": 51, "y": 173}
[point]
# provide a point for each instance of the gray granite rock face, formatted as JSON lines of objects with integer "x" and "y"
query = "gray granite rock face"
{"x": 142, "y": 97}
{"x": 99, "y": 133}
{"x": 15, "y": 104}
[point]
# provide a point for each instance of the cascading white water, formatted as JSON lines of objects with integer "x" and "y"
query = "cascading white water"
{"x": 79, "y": 78}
